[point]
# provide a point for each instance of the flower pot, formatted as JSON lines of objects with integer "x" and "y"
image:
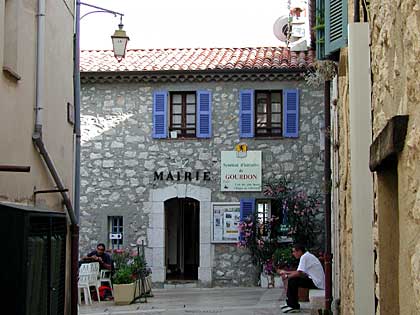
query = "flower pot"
{"x": 270, "y": 281}
{"x": 123, "y": 293}
{"x": 264, "y": 280}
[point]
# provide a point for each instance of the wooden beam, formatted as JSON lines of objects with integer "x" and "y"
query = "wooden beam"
{"x": 390, "y": 141}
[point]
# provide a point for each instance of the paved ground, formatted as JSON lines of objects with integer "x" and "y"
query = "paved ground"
{"x": 219, "y": 301}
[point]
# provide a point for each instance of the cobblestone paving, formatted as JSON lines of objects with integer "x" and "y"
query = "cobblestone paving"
{"x": 220, "y": 301}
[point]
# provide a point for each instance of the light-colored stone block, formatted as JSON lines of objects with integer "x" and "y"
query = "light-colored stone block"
{"x": 157, "y": 237}
{"x": 204, "y": 274}
{"x": 205, "y": 234}
{"x": 158, "y": 274}
{"x": 158, "y": 220}
{"x": 158, "y": 259}
{"x": 205, "y": 255}
{"x": 158, "y": 207}
{"x": 181, "y": 190}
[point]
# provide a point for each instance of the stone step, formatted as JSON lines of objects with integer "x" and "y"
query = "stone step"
{"x": 316, "y": 300}
{"x": 180, "y": 284}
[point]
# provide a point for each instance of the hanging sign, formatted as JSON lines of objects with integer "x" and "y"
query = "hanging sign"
{"x": 115, "y": 236}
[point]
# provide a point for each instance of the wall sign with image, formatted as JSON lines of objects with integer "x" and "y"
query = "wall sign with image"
{"x": 225, "y": 221}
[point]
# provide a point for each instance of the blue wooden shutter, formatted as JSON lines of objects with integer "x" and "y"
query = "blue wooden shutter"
{"x": 247, "y": 208}
{"x": 291, "y": 113}
{"x": 246, "y": 113}
{"x": 335, "y": 25}
{"x": 204, "y": 114}
{"x": 160, "y": 101}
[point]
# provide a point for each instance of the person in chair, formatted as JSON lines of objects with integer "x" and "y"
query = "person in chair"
{"x": 99, "y": 255}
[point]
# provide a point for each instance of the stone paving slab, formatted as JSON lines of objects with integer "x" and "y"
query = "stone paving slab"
{"x": 200, "y": 301}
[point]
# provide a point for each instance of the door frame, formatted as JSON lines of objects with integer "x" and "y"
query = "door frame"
{"x": 156, "y": 230}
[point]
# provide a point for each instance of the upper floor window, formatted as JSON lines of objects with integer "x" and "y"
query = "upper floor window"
{"x": 183, "y": 114}
{"x": 272, "y": 113}
{"x": 268, "y": 113}
{"x": 189, "y": 114}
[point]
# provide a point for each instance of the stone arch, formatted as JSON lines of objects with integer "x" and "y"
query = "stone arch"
{"x": 156, "y": 231}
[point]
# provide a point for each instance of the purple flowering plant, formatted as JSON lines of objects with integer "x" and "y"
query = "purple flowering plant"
{"x": 293, "y": 217}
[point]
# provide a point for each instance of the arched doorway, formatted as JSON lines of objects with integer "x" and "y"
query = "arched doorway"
{"x": 182, "y": 238}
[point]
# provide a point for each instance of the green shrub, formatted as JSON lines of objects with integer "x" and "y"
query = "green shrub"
{"x": 283, "y": 258}
{"x": 123, "y": 275}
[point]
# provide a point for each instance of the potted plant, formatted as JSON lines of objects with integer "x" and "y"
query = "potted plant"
{"x": 129, "y": 270}
{"x": 123, "y": 285}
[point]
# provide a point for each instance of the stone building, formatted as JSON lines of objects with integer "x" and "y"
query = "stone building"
{"x": 376, "y": 154}
{"x": 158, "y": 149}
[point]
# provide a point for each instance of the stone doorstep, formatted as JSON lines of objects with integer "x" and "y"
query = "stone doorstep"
{"x": 316, "y": 300}
{"x": 179, "y": 284}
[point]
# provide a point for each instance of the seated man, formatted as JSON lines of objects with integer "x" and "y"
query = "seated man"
{"x": 99, "y": 255}
{"x": 309, "y": 274}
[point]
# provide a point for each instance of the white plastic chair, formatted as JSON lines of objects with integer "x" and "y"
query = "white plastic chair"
{"x": 105, "y": 276}
{"x": 93, "y": 277}
{"x": 83, "y": 284}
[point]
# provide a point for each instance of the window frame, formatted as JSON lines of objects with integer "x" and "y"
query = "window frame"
{"x": 267, "y": 212}
{"x": 114, "y": 229}
{"x": 269, "y": 114}
{"x": 182, "y": 132}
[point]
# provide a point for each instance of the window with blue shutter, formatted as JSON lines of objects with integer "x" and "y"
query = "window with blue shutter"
{"x": 204, "y": 114}
{"x": 159, "y": 114}
{"x": 247, "y": 208}
{"x": 335, "y": 25}
{"x": 291, "y": 113}
{"x": 246, "y": 113}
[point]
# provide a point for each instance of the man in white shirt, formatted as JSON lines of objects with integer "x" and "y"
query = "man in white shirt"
{"x": 309, "y": 274}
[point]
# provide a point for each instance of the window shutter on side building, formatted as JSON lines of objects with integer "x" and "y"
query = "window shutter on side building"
{"x": 336, "y": 21}
{"x": 291, "y": 113}
{"x": 204, "y": 114}
{"x": 160, "y": 105}
{"x": 246, "y": 113}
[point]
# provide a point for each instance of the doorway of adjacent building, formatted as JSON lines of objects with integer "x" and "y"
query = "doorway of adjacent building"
{"x": 182, "y": 238}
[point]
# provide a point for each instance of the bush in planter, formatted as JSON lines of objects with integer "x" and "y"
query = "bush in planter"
{"x": 127, "y": 263}
{"x": 128, "y": 268}
{"x": 123, "y": 275}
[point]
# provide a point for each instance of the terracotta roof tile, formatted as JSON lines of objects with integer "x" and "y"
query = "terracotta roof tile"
{"x": 193, "y": 59}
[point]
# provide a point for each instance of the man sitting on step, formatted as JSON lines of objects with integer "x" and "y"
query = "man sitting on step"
{"x": 309, "y": 274}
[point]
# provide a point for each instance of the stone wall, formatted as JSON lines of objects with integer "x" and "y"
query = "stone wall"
{"x": 345, "y": 217}
{"x": 233, "y": 266}
{"x": 395, "y": 33}
{"x": 395, "y": 48}
{"x": 119, "y": 158}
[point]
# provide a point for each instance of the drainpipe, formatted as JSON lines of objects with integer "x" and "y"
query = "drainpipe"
{"x": 327, "y": 179}
{"x": 77, "y": 133}
{"x": 37, "y": 135}
{"x": 39, "y": 144}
